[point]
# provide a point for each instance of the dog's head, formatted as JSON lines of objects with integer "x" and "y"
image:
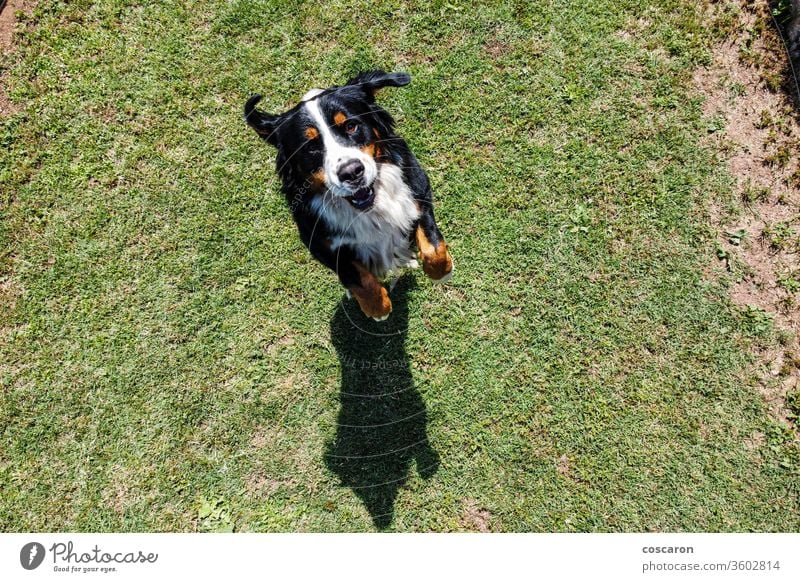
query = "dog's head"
{"x": 334, "y": 138}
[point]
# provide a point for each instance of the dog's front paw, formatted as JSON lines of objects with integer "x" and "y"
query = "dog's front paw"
{"x": 447, "y": 276}
{"x": 373, "y": 300}
{"x": 436, "y": 260}
{"x": 438, "y": 265}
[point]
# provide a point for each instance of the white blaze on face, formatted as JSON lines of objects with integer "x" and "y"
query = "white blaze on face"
{"x": 337, "y": 154}
{"x": 311, "y": 94}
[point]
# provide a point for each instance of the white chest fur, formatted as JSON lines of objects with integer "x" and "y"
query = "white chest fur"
{"x": 379, "y": 236}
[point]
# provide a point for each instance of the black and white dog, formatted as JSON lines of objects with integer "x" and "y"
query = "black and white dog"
{"x": 358, "y": 195}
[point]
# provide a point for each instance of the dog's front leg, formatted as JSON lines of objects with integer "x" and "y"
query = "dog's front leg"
{"x": 436, "y": 260}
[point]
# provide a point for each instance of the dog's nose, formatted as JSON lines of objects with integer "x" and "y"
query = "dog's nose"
{"x": 351, "y": 171}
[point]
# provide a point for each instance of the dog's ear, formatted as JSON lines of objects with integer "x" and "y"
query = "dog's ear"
{"x": 265, "y": 124}
{"x": 372, "y": 81}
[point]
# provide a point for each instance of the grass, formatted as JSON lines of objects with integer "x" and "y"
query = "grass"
{"x": 172, "y": 359}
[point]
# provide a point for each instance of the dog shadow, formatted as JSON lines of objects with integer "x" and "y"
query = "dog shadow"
{"x": 382, "y": 423}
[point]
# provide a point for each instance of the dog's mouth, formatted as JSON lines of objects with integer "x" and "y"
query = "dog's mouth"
{"x": 362, "y": 198}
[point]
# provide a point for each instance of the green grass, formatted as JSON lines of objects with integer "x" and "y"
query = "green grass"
{"x": 172, "y": 359}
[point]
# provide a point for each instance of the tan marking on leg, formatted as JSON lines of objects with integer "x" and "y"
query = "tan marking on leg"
{"x": 339, "y": 118}
{"x": 371, "y": 295}
{"x": 436, "y": 261}
{"x": 312, "y": 133}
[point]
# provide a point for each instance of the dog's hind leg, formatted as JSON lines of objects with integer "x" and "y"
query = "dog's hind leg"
{"x": 353, "y": 275}
{"x": 372, "y": 297}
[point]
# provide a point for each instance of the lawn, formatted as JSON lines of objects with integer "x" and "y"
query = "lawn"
{"x": 172, "y": 359}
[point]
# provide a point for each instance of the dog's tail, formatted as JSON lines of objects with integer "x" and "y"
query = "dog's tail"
{"x": 250, "y": 107}
{"x": 263, "y": 123}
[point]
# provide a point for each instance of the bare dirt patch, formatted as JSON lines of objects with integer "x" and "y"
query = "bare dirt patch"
{"x": 475, "y": 518}
{"x": 265, "y": 486}
{"x": 118, "y": 495}
{"x": 759, "y": 136}
{"x": 562, "y": 465}
{"x": 496, "y": 48}
{"x": 8, "y": 20}
{"x": 265, "y": 437}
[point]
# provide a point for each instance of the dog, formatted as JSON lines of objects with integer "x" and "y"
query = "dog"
{"x": 361, "y": 201}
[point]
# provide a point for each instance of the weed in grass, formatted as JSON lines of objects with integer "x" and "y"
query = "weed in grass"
{"x": 780, "y": 157}
{"x": 773, "y": 80}
{"x": 752, "y": 193}
{"x": 793, "y": 405}
{"x": 736, "y": 237}
{"x": 790, "y": 281}
{"x": 759, "y": 322}
{"x": 214, "y": 516}
{"x": 780, "y": 440}
{"x": 789, "y": 365}
{"x": 780, "y": 236}
{"x": 766, "y": 120}
{"x": 736, "y": 90}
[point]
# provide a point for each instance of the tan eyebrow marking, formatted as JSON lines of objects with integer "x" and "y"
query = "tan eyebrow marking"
{"x": 339, "y": 118}
{"x": 312, "y": 133}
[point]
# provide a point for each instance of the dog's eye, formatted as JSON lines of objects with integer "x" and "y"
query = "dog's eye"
{"x": 351, "y": 127}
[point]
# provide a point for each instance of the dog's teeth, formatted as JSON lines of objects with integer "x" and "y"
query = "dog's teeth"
{"x": 384, "y": 318}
